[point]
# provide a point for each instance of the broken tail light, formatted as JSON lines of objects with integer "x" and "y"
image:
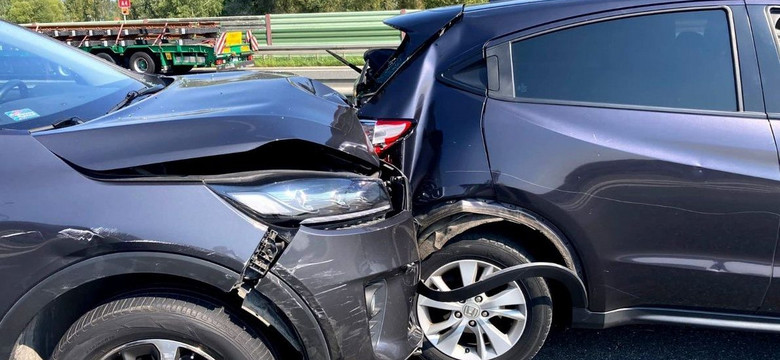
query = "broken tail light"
{"x": 385, "y": 133}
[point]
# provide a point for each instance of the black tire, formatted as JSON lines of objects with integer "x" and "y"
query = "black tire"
{"x": 180, "y": 69}
{"x": 142, "y": 62}
{"x": 107, "y": 57}
{"x": 181, "y": 318}
{"x": 496, "y": 250}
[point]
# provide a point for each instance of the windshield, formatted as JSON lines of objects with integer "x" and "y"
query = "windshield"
{"x": 43, "y": 81}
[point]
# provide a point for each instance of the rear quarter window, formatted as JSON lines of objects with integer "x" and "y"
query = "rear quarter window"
{"x": 470, "y": 74}
{"x": 673, "y": 60}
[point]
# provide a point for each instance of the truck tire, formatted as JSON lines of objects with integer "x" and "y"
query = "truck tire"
{"x": 107, "y": 57}
{"x": 144, "y": 326}
{"x": 142, "y": 62}
{"x": 511, "y": 322}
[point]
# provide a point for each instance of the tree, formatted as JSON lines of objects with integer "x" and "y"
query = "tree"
{"x": 148, "y": 9}
{"x": 439, "y": 3}
{"x": 411, "y": 4}
{"x": 28, "y": 11}
{"x": 91, "y": 10}
{"x": 4, "y": 5}
{"x": 247, "y": 7}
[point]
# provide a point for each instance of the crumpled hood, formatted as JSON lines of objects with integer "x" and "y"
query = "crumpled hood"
{"x": 213, "y": 114}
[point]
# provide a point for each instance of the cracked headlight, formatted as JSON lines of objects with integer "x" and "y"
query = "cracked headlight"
{"x": 310, "y": 200}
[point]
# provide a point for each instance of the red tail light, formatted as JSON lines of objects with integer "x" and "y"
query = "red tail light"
{"x": 249, "y": 58}
{"x": 385, "y": 133}
{"x": 220, "y": 61}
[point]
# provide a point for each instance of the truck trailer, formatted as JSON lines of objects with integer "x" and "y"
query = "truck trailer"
{"x": 171, "y": 46}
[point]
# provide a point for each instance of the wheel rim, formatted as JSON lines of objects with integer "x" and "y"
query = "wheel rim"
{"x": 141, "y": 65}
{"x": 483, "y": 327}
{"x": 157, "y": 349}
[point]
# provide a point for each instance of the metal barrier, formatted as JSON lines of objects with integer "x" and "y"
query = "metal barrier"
{"x": 342, "y": 28}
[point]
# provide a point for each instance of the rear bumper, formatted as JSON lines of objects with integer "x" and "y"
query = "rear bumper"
{"x": 335, "y": 273}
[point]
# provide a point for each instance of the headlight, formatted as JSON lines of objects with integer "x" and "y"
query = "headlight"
{"x": 310, "y": 200}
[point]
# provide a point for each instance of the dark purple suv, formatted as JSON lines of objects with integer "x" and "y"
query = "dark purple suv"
{"x": 633, "y": 142}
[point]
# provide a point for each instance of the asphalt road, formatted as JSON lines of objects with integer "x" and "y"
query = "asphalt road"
{"x": 659, "y": 342}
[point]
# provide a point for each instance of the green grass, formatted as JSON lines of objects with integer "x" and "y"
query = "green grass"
{"x": 303, "y": 60}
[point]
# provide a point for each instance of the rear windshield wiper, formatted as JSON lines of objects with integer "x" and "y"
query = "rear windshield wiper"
{"x": 59, "y": 124}
{"x": 135, "y": 95}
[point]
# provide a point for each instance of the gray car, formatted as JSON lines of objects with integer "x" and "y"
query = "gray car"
{"x": 225, "y": 216}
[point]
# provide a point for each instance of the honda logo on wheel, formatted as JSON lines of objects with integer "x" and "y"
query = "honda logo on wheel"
{"x": 471, "y": 310}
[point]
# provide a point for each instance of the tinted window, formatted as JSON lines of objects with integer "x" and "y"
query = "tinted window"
{"x": 678, "y": 60}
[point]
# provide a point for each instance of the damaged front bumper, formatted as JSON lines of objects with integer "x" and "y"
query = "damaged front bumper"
{"x": 348, "y": 292}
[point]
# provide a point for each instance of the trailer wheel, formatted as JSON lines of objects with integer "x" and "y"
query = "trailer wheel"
{"x": 106, "y": 57}
{"x": 143, "y": 63}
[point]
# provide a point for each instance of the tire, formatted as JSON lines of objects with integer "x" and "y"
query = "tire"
{"x": 180, "y": 69}
{"x": 486, "y": 251}
{"x": 142, "y": 62}
{"x": 107, "y": 57}
{"x": 124, "y": 323}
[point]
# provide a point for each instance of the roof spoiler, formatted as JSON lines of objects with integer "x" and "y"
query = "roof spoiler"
{"x": 425, "y": 26}
{"x": 422, "y": 29}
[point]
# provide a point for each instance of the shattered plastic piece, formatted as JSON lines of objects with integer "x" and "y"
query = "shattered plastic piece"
{"x": 76, "y": 234}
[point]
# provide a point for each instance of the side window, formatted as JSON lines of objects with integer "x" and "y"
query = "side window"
{"x": 674, "y": 60}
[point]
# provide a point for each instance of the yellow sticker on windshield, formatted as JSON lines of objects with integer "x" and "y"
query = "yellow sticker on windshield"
{"x": 22, "y": 114}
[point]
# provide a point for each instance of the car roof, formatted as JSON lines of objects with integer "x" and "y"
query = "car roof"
{"x": 503, "y": 4}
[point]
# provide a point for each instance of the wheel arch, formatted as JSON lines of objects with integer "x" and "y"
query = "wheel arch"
{"x": 445, "y": 222}
{"x": 102, "y": 278}
{"x": 523, "y": 228}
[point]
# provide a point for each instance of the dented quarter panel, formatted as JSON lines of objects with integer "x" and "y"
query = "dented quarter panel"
{"x": 663, "y": 208}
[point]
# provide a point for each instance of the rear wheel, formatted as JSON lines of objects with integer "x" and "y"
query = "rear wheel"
{"x": 142, "y": 62}
{"x": 510, "y": 322}
{"x": 161, "y": 327}
{"x": 107, "y": 57}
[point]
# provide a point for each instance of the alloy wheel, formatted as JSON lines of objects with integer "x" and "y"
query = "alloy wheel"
{"x": 483, "y": 327}
{"x": 141, "y": 65}
{"x": 157, "y": 349}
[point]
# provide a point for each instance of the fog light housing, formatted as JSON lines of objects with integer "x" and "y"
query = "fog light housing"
{"x": 376, "y": 299}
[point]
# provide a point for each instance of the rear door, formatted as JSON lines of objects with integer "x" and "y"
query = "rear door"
{"x": 642, "y": 135}
{"x": 765, "y": 21}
